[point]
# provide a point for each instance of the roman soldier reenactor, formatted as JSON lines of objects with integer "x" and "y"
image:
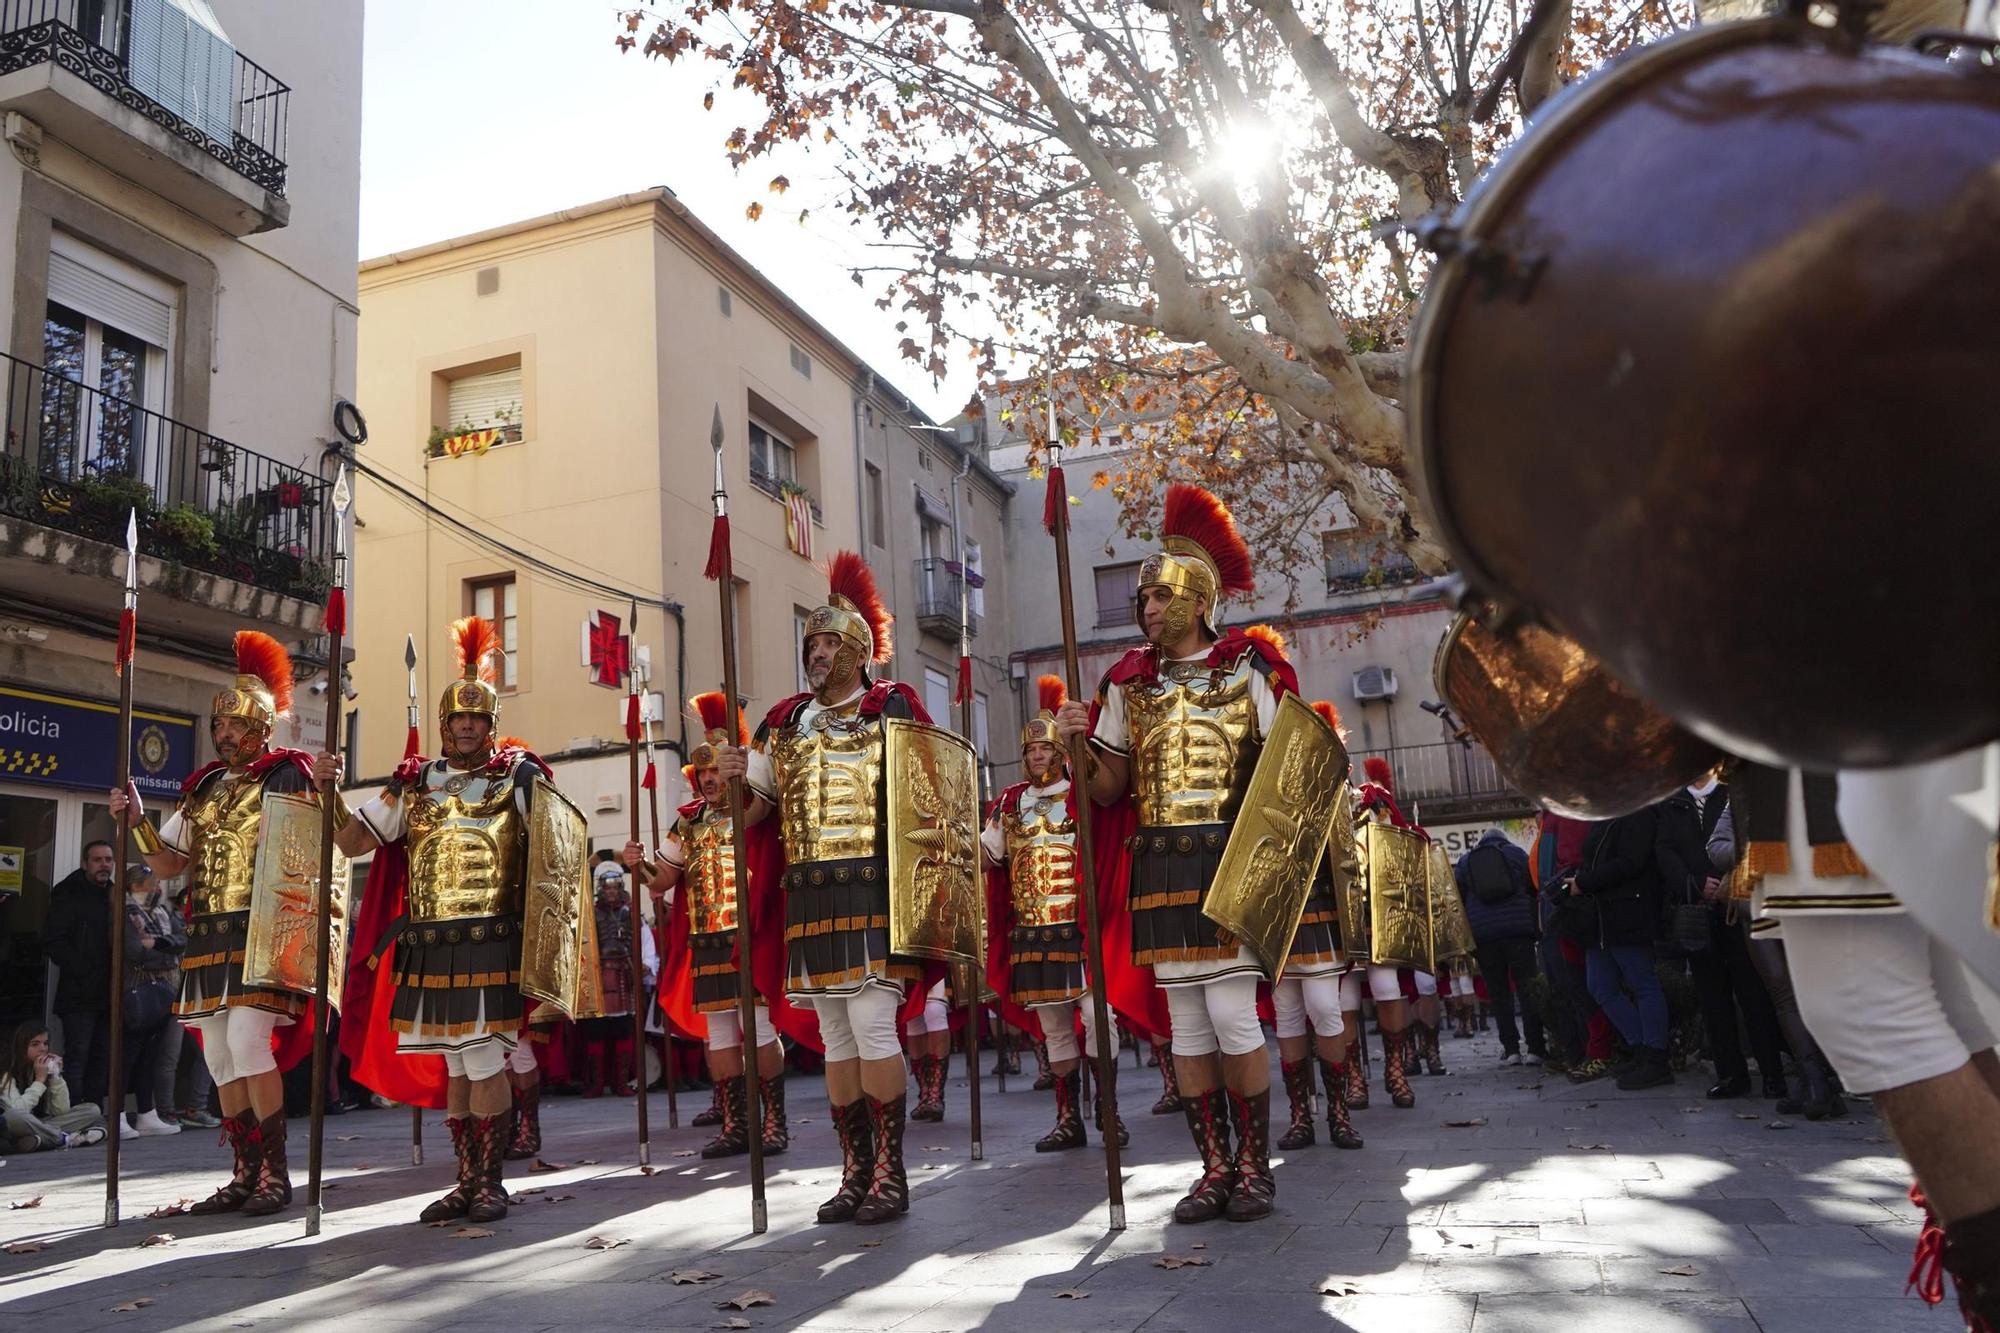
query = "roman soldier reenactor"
{"x": 462, "y": 821}
{"x": 699, "y": 988}
{"x": 819, "y": 761}
{"x": 1177, "y": 727}
{"x": 212, "y": 838}
{"x": 1035, "y": 918}
{"x": 1375, "y": 801}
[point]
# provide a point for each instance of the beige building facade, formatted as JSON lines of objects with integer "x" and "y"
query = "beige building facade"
{"x": 589, "y": 352}
{"x": 178, "y": 220}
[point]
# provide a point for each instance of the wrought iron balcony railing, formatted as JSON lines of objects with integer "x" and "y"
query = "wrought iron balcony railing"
{"x": 237, "y": 117}
{"x": 1446, "y": 771}
{"x": 81, "y": 460}
{"x": 938, "y": 582}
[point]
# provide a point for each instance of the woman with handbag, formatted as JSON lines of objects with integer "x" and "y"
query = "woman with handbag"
{"x": 154, "y": 938}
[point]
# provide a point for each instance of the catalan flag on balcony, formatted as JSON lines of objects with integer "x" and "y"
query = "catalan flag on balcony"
{"x": 471, "y": 442}
{"x": 799, "y": 521}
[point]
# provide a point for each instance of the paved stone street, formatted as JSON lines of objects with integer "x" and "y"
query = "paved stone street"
{"x": 1565, "y": 1208}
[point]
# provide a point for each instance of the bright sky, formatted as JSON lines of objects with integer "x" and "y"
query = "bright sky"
{"x": 475, "y": 115}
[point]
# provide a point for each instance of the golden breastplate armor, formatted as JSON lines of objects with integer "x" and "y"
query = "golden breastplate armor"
{"x": 224, "y": 816}
{"x": 709, "y": 877}
{"x": 467, "y": 843}
{"x": 1041, "y": 860}
{"x": 829, "y": 787}
{"x": 1194, "y": 743}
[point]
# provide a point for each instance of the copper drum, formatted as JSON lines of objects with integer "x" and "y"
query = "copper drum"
{"x": 1560, "y": 728}
{"x": 1700, "y": 382}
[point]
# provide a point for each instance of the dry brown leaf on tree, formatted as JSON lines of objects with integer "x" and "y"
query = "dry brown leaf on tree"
{"x": 747, "y": 1300}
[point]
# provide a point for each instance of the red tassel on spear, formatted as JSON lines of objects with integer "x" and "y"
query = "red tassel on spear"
{"x": 964, "y": 680}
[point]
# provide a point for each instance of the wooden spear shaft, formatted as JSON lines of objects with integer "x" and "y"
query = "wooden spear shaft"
{"x": 638, "y": 924}
{"x": 114, "y": 1104}
{"x": 1079, "y": 767}
{"x": 329, "y": 797}
{"x": 653, "y": 803}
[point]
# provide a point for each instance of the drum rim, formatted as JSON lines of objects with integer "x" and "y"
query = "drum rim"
{"x": 1498, "y": 188}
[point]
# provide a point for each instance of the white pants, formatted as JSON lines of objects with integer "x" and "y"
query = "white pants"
{"x": 937, "y": 1013}
{"x": 1216, "y": 1013}
{"x": 861, "y": 1025}
{"x": 1427, "y": 984}
{"x": 725, "y": 1028}
{"x": 1299, "y": 999}
{"x": 522, "y": 1058}
{"x": 1382, "y": 986}
{"x": 1059, "y": 1028}
{"x": 1887, "y": 1002}
{"x": 1461, "y": 987}
{"x": 479, "y": 1062}
{"x": 236, "y": 1042}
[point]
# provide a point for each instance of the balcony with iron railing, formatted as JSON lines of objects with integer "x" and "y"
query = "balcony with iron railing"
{"x": 163, "y": 100}
{"x": 79, "y": 461}
{"x": 938, "y": 585}
{"x": 1447, "y": 780}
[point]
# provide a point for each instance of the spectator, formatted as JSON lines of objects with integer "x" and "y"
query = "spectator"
{"x": 1621, "y": 875}
{"x": 154, "y": 938}
{"x": 1817, "y": 1095}
{"x": 35, "y": 1100}
{"x": 77, "y": 938}
{"x": 1725, "y": 977}
{"x": 1581, "y": 1031}
{"x": 1500, "y": 905}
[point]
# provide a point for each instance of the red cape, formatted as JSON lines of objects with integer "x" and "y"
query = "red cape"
{"x": 765, "y": 866}
{"x": 366, "y": 1037}
{"x": 290, "y": 1042}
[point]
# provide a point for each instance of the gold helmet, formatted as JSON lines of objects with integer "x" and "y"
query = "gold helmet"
{"x": 1203, "y": 557}
{"x": 262, "y": 691}
{"x": 1041, "y": 728}
{"x": 713, "y": 710}
{"x": 476, "y": 645}
{"x": 855, "y": 612}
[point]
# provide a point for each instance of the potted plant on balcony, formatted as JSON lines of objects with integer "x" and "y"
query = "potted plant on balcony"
{"x": 187, "y": 534}
{"x": 109, "y": 497}
{"x": 290, "y": 489}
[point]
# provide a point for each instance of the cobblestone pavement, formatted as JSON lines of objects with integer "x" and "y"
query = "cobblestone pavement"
{"x": 1560, "y": 1208}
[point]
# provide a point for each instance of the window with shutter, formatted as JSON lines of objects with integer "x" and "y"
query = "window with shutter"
{"x": 1117, "y": 593}
{"x": 490, "y": 400}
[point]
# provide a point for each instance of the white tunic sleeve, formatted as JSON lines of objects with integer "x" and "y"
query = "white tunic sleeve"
{"x": 173, "y": 833}
{"x": 383, "y": 814}
{"x": 994, "y": 841}
{"x": 1111, "y": 732}
{"x": 761, "y": 776}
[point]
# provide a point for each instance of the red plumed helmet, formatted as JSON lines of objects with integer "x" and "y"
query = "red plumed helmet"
{"x": 509, "y": 743}
{"x": 1193, "y": 516}
{"x": 1267, "y": 636}
{"x": 1378, "y": 772}
{"x": 262, "y": 692}
{"x": 712, "y": 708}
{"x": 1052, "y": 691}
{"x": 1041, "y": 728}
{"x": 854, "y": 609}
{"x": 1331, "y": 716}
{"x": 475, "y": 650}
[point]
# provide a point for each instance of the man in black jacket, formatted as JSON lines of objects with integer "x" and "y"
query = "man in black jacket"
{"x": 1500, "y": 906}
{"x": 1621, "y": 872}
{"x": 1725, "y": 975}
{"x": 77, "y": 938}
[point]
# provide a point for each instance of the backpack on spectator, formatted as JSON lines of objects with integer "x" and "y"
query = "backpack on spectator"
{"x": 1486, "y": 867}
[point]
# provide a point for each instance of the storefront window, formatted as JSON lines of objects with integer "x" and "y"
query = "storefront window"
{"x": 28, "y": 870}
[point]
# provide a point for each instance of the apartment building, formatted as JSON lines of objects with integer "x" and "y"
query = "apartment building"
{"x": 178, "y": 206}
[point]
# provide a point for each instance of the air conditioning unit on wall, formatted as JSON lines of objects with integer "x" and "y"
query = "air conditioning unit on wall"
{"x": 1374, "y": 682}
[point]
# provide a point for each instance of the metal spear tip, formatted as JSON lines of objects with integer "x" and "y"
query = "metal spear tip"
{"x": 343, "y": 498}
{"x": 715, "y": 430}
{"x": 132, "y": 532}
{"x": 410, "y": 652}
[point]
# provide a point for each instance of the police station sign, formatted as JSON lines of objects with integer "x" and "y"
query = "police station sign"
{"x": 59, "y": 740}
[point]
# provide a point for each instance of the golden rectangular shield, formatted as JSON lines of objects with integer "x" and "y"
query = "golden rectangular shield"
{"x": 281, "y": 945}
{"x": 1451, "y": 930}
{"x": 1350, "y": 879}
{"x": 937, "y": 903}
{"x": 1266, "y": 872}
{"x": 559, "y": 963}
{"x": 1399, "y": 913}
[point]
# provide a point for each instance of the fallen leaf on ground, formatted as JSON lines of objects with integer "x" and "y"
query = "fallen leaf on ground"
{"x": 1527, "y": 1087}
{"x": 1473, "y": 1123}
{"x": 1779, "y": 1124}
{"x": 606, "y": 1242}
{"x": 1693, "y": 1110}
{"x": 1748, "y": 1115}
{"x": 933, "y": 1166}
{"x": 1449, "y": 1239}
{"x": 586, "y": 1161}
{"x": 1199, "y": 1245}
{"x": 870, "y": 1244}
{"x": 524, "y": 1193}
{"x": 559, "y": 1198}
{"x": 157, "y": 1238}
{"x": 1684, "y": 1270}
{"x": 174, "y": 1210}
{"x": 1590, "y": 1106}
{"x": 1180, "y": 1261}
{"x": 680, "y": 1277}
{"x": 127, "y": 1307}
{"x": 747, "y": 1300}
{"x": 329, "y": 1185}
{"x": 733, "y": 1322}
{"x": 683, "y": 1152}
{"x": 473, "y": 1233}
{"x": 1591, "y": 1147}
{"x": 538, "y": 1165}
{"x": 35, "y": 1202}
{"x": 647, "y": 1170}
{"x": 1072, "y": 1294}
{"x": 1340, "y": 1289}
{"x": 27, "y": 1247}
{"x": 364, "y": 1166}
{"x": 935, "y": 1147}
{"x": 345, "y": 1138}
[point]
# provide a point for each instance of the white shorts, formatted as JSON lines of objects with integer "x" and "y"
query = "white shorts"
{"x": 725, "y": 1028}
{"x": 1383, "y": 987}
{"x": 1059, "y": 1023}
{"x": 861, "y": 1025}
{"x": 1887, "y": 1002}
{"x": 1308, "y": 1001}
{"x": 1219, "y": 1013}
{"x": 236, "y": 1042}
